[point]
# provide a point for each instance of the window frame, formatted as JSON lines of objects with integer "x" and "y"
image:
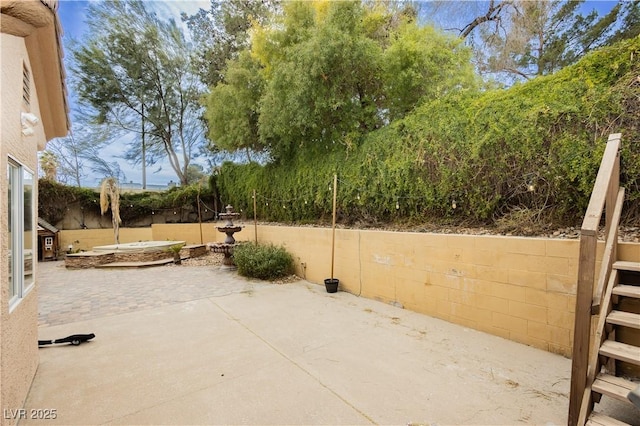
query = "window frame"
{"x": 20, "y": 237}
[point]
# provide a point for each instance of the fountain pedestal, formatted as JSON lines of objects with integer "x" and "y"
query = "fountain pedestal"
{"x": 229, "y": 242}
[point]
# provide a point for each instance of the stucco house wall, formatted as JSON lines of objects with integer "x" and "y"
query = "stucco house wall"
{"x": 29, "y": 38}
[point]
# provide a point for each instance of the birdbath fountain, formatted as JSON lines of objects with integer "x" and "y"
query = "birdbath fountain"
{"x": 229, "y": 242}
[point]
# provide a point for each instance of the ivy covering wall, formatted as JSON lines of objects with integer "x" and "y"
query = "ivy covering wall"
{"x": 527, "y": 153}
{"x": 56, "y": 200}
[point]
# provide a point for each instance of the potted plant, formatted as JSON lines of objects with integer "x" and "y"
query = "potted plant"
{"x": 175, "y": 249}
{"x": 331, "y": 284}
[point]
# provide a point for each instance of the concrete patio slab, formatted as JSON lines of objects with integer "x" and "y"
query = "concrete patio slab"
{"x": 209, "y": 347}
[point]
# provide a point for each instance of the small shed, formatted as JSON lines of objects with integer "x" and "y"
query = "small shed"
{"x": 48, "y": 244}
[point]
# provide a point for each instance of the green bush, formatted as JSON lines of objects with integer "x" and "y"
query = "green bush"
{"x": 266, "y": 262}
{"x": 55, "y": 198}
{"x": 467, "y": 157}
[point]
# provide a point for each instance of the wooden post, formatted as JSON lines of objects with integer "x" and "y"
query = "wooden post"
{"x": 607, "y": 180}
{"x": 200, "y": 211}
{"x": 582, "y": 325}
{"x": 333, "y": 236}
{"x": 255, "y": 217}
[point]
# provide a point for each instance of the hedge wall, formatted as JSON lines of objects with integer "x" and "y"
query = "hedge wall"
{"x": 530, "y": 152}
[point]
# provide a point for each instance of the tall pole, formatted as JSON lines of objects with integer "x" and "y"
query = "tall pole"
{"x": 200, "y": 212}
{"x": 333, "y": 236}
{"x": 144, "y": 154}
{"x": 255, "y": 217}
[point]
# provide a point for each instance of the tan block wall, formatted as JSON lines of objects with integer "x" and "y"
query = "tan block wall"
{"x": 18, "y": 327}
{"x": 522, "y": 289}
{"x": 189, "y": 232}
{"x": 86, "y": 239}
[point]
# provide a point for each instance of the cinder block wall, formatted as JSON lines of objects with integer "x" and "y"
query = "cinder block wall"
{"x": 522, "y": 289}
{"x": 86, "y": 239}
{"x": 188, "y": 232}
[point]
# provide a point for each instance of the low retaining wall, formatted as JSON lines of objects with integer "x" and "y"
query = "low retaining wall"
{"x": 194, "y": 250}
{"x": 522, "y": 289}
{"x": 89, "y": 259}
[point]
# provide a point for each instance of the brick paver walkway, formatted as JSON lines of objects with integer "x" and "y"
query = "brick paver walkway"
{"x": 70, "y": 295}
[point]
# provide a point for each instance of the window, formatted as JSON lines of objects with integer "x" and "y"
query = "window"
{"x": 21, "y": 227}
{"x": 26, "y": 87}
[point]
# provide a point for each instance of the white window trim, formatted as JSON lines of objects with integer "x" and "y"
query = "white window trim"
{"x": 17, "y": 234}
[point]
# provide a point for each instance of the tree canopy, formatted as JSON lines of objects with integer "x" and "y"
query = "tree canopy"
{"x": 521, "y": 39}
{"x": 222, "y": 31}
{"x": 134, "y": 70}
{"x": 322, "y": 74}
{"x": 524, "y": 158}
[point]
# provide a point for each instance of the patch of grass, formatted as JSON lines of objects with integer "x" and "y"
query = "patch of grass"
{"x": 265, "y": 262}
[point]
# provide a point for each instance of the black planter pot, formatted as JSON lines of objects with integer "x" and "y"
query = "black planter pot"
{"x": 331, "y": 284}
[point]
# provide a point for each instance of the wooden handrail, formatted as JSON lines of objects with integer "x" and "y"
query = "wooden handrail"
{"x": 604, "y": 194}
{"x": 609, "y": 255}
{"x": 601, "y": 188}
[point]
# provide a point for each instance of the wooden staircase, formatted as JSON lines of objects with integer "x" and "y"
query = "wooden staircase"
{"x": 606, "y": 353}
{"x": 614, "y": 356}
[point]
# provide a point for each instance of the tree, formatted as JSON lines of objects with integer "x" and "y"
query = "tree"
{"x": 521, "y": 39}
{"x": 222, "y": 31}
{"x": 629, "y": 24}
{"x": 110, "y": 197}
{"x": 49, "y": 165}
{"x": 195, "y": 173}
{"x": 102, "y": 167}
{"x": 80, "y": 150}
{"x": 325, "y": 86}
{"x": 322, "y": 74}
{"x": 68, "y": 163}
{"x": 422, "y": 63}
{"x": 134, "y": 69}
{"x": 232, "y": 106}
{"x": 493, "y": 13}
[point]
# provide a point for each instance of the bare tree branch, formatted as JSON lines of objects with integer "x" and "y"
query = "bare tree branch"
{"x": 493, "y": 14}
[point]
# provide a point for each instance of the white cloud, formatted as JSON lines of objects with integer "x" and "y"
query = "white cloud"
{"x": 173, "y": 8}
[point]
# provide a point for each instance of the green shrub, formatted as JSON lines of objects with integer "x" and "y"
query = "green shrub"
{"x": 54, "y": 200}
{"x": 266, "y": 262}
{"x": 466, "y": 157}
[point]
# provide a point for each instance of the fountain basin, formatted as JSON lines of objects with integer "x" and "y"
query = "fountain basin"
{"x": 221, "y": 248}
{"x": 229, "y": 229}
{"x": 229, "y": 242}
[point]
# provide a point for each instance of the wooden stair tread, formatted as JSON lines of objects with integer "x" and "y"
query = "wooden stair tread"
{"x": 613, "y": 386}
{"x": 626, "y": 319}
{"x": 627, "y": 266}
{"x": 627, "y": 291}
{"x": 598, "y": 419}
{"x": 621, "y": 351}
